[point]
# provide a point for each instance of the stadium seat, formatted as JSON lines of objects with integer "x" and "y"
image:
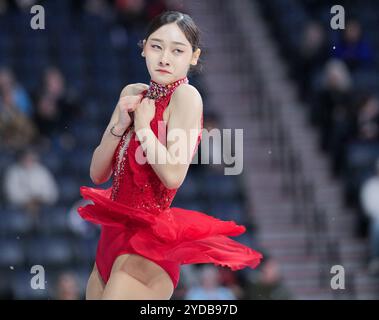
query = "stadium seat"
{"x": 49, "y": 251}
{"x": 12, "y": 254}
{"x": 54, "y": 220}
{"x": 15, "y": 222}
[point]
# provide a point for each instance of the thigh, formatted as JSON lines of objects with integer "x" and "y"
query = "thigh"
{"x": 95, "y": 285}
{"x": 145, "y": 271}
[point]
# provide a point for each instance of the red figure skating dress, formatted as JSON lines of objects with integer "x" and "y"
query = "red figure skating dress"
{"x": 136, "y": 217}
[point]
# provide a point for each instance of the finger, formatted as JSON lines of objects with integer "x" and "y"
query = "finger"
{"x": 127, "y": 105}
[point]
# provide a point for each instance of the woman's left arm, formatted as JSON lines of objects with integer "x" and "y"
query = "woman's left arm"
{"x": 183, "y": 129}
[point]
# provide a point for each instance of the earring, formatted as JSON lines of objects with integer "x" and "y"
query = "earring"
{"x": 142, "y": 54}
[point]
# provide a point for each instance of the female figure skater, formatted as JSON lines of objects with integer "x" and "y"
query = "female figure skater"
{"x": 143, "y": 240}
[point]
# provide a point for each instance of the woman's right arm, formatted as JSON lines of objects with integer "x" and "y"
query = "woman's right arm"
{"x": 101, "y": 164}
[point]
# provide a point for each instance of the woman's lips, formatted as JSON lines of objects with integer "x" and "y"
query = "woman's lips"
{"x": 163, "y": 71}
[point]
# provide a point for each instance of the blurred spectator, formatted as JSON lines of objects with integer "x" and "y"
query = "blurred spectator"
{"x": 188, "y": 279}
{"x": 97, "y": 7}
{"x": 23, "y": 5}
{"x": 219, "y": 152}
{"x": 353, "y": 48}
{"x": 269, "y": 285}
{"x": 211, "y": 121}
{"x": 156, "y": 7}
{"x": 134, "y": 15}
{"x": 3, "y": 7}
{"x": 67, "y": 287}
{"x": 16, "y": 130}
{"x": 137, "y": 13}
{"x": 313, "y": 55}
{"x": 29, "y": 184}
{"x": 47, "y": 116}
{"x": 19, "y": 95}
{"x": 131, "y": 13}
{"x": 6, "y": 5}
{"x": 57, "y": 107}
{"x": 54, "y": 86}
{"x": 333, "y": 111}
{"x": 210, "y": 287}
{"x": 370, "y": 203}
{"x": 229, "y": 279}
{"x": 368, "y": 119}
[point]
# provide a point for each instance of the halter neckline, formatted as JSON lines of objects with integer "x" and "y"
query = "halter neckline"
{"x": 157, "y": 90}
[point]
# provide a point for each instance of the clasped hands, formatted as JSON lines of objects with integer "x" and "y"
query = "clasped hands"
{"x": 144, "y": 113}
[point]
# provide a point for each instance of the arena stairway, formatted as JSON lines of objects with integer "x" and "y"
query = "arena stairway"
{"x": 297, "y": 205}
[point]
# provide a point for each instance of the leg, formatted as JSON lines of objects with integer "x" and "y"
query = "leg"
{"x": 95, "y": 285}
{"x": 135, "y": 278}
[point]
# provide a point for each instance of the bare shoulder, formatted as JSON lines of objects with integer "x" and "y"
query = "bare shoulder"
{"x": 186, "y": 90}
{"x": 187, "y": 95}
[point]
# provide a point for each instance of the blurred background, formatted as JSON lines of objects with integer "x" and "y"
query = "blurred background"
{"x": 305, "y": 95}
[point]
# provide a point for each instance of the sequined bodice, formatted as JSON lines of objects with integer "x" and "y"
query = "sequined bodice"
{"x": 135, "y": 183}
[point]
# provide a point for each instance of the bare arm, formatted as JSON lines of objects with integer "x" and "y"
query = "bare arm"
{"x": 182, "y": 134}
{"x": 101, "y": 164}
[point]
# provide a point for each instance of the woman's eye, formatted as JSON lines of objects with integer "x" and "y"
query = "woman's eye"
{"x": 158, "y": 47}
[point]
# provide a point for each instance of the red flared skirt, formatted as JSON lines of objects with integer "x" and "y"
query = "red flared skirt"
{"x": 170, "y": 238}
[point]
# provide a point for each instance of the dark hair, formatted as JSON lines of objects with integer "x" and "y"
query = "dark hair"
{"x": 185, "y": 23}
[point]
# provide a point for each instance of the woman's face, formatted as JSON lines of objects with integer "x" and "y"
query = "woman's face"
{"x": 168, "y": 49}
